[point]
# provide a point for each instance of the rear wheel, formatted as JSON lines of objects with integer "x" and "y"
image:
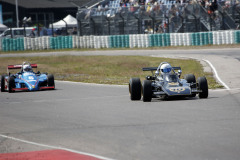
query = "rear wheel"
{"x": 203, "y": 86}
{"x": 11, "y": 84}
{"x": 147, "y": 91}
{"x": 135, "y": 87}
{"x": 190, "y": 78}
{"x": 3, "y": 83}
{"x": 50, "y": 81}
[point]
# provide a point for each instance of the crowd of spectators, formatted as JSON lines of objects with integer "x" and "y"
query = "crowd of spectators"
{"x": 174, "y": 9}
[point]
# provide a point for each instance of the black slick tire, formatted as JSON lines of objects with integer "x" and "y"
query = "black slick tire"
{"x": 11, "y": 84}
{"x": 135, "y": 87}
{"x": 3, "y": 83}
{"x": 190, "y": 78}
{"x": 147, "y": 91}
{"x": 50, "y": 80}
{"x": 203, "y": 86}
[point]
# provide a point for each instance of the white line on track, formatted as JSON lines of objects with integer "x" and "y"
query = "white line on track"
{"x": 219, "y": 90}
{"x": 216, "y": 74}
{"x": 55, "y": 147}
{"x": 214, "y": 70}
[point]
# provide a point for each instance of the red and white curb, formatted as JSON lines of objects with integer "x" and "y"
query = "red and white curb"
{"x": 57, "y": 153}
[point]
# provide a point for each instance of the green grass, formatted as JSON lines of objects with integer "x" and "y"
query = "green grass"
{"x": 105, "y": 69}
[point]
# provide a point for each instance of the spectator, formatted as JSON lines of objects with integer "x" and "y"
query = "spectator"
{"x": 32, "y": 34}
{"x": 141, "y": 2}
{"x": 156, "y": 7}
{"x": 203, "y": 3}
{"x": 217, "y": 20}
{"x": 149, "y": 30}
{"x": 99, "y": 7}
{"x": 213, "y": 6}
{"x": 74, "y": 31}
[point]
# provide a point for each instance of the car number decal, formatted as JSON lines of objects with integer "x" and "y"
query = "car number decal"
{"x": 30, "y": 77}
{"x": 173, "y": 84}
{"x": 178, "y": 90}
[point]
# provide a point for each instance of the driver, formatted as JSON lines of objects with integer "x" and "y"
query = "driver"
{"x": 27, "y": 68}
{"x": 165, "y": 69}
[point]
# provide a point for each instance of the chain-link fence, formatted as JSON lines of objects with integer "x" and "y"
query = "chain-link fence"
{"x": 142, "y": 19}
{"x": 160, "y": 18}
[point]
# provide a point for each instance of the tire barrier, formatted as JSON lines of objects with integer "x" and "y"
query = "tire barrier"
{"x": 225, "y": 37}
{"x": 160, "y": 40}
{"x": 61, "y": 42}
{"x": 10, "y": 44}
{"x": 138, "y": 41}
{"x": 101, "y": 42}
{"x": 201, "y": 38}
{"x": 121, "y": 41}
{"x": 237, "y": 37}
{"x": 39, "y": 43}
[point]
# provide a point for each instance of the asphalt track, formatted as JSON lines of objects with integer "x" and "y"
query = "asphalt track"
{"x": 101, "y": 119}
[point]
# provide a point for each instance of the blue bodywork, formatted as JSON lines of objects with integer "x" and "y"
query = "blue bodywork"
{"x": 175, "y": 89}
{"x": 29, "y": 80}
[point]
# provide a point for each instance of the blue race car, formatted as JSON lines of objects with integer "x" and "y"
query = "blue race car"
{"x": 26, "y": 79}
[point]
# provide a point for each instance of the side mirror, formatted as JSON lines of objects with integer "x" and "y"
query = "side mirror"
{"x": 179, "y": 73}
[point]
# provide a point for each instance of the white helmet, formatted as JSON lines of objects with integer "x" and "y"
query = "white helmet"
{"x": 165, "y": 68}
{"x": 27, "y": 68}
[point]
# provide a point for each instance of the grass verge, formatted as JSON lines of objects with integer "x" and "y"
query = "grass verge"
{"x": 105, "y": 69}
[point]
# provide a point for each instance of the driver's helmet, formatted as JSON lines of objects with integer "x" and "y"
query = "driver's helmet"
{"x": 165, "y": 68}
{"x": 27, "y": 68}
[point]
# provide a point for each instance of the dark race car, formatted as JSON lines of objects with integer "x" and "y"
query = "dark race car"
{"x": 26, "y": 79}
{"x": 167, "y": 84}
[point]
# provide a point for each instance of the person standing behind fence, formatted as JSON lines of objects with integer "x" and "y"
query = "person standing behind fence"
{"x": 32, "y": 34}
{"x": 141, "y": 2}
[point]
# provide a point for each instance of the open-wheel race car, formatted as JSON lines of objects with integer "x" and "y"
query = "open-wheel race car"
{"x": 166, "y": 82}
{"x": 26, "y": 79}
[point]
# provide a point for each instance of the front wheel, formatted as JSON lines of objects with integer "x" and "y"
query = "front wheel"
{"x": 135, "y": 87}
{"x": 11, "y": 84}
{"x": 203, "y": 86}
{"x": 190, "y": 78}
{"x": 50, "y": 81}
{"x": 147, "y": 91}
{"x": 3, "y": 83}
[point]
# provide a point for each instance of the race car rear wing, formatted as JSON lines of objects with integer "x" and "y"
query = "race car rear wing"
{"x": 19, "y": 66}
{"x": 155, "y": 68}
{"x": 150, "y": 69}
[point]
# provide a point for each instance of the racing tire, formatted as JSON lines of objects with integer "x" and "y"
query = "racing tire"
{"x": 11, "y": 84}
{"x": 3, "y": 83}
{"x": 147, "y": 91}
{"x": 203, "y": 86}
{"x": 50, "y": 81}
{"x": 135, "y": 88}
{"x": 190, "y": 78}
